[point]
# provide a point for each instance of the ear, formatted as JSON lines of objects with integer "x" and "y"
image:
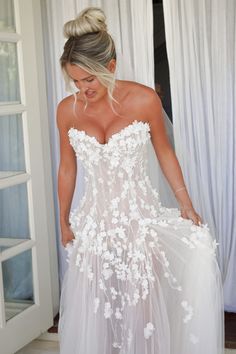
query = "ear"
{"x": 111, "y": 66}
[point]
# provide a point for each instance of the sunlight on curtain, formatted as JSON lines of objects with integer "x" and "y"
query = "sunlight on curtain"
{"x": 201, "y": 44}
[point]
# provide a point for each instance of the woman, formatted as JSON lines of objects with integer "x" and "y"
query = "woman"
{"x": 142, "y": 278}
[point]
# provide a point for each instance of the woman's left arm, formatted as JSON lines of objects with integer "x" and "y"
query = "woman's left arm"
{"x": 167, "y": 158}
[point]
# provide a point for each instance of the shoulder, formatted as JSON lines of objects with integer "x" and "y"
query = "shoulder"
{"x": 134, "y": 87}
{"x": 145, "y": 95}
{"x": 143, "y": 98}
{"x": 65, "y": 109}
{"x": 66, "y": 104}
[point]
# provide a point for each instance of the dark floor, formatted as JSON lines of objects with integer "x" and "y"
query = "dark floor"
{"x": 54, "y": 328}
{"x": 230, "y": 329}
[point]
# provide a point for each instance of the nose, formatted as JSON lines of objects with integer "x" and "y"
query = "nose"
{"x": 81, "y": 86}
{"x": 84, "y": 87}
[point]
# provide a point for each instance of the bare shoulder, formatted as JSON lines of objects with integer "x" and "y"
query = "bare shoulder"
{"x": 150, "y": 105}
{"x": 146, "y": 96}
{"x": 144, "y": 100}
{"x": 140, "y": 91}
{"x": 65, "y": 112}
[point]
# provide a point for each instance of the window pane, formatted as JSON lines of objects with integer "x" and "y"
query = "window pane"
{"x": 12, "y": 157}
{"x": 18, "y": 283}
{"x": 7, "y": 20}
{"x": 9, "y": 78}
{"x": 14, "y": 221}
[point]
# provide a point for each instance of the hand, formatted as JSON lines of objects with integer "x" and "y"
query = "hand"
{"x": 67, "y": 235}
{"x": 190, "y": 213}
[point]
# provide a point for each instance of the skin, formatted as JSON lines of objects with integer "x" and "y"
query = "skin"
{"x": 136, "y": 102}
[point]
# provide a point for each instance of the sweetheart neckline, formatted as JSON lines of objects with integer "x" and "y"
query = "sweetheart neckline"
{"x": 113, "y": 135}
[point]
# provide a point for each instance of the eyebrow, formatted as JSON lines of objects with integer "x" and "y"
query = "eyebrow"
{"x": 85, "y": 78}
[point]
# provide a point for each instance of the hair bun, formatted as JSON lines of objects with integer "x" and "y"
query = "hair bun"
{"x": 91, "y": 19}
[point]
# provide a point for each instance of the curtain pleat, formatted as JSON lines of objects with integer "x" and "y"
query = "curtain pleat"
{"x": 200, "y": 38}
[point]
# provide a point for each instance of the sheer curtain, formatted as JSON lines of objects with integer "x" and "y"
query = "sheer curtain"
{"x": 131, "y": 25}
{"x": 201, "y": 46}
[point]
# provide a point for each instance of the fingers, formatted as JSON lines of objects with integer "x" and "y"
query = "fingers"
{"x": 67, "y": 242}
{"x": 199, "y": 220}
{"x": 192, "y": 215}
{"x": 195, "y": 220}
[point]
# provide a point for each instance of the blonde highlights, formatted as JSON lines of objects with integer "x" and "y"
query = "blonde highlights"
{"x": 90, "y": 47}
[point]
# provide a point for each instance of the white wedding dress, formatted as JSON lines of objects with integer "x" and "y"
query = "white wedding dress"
{"x": 140, "y": 278}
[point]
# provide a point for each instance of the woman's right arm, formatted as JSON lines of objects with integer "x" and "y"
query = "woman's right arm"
{"x": 66, "y": 173}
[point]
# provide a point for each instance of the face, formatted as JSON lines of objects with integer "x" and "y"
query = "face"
{"x": 88, "y": 84}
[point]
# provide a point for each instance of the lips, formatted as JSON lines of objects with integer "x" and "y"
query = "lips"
{"x": 90, "y": 93}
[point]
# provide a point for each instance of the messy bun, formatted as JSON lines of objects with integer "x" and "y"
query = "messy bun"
{"x": 91, "y": 19}
{"x": 90, "y": 46}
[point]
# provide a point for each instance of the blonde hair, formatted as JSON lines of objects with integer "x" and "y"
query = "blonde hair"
{"x": 89, "y": 46}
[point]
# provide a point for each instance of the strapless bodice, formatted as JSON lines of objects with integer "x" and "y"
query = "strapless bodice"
{"x": 123, "y": 151}
{"x": 116, "y": 170}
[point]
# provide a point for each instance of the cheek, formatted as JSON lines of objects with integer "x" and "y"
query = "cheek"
{"x": 96, "y": 85}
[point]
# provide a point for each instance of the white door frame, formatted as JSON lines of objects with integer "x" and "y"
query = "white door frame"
{"x": 36, "y": 319}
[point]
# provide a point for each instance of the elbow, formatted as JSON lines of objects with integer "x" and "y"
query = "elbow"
{"x": 66, "y": 171}
{"x": 165, "y": 153}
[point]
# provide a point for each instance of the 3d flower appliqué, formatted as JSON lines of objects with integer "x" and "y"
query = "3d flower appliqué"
{"x": 148, "y": 330}
{"x": 127, "y": 245}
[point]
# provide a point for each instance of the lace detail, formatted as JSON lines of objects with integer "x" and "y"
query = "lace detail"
{"x": 126, "y": 243}
{"x": 115, "y": 136}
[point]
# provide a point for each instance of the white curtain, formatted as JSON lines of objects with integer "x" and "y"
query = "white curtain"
{"x": 131, "y": 25}
{"x": 201, "y": 46}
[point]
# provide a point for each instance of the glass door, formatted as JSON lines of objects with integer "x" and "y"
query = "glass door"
{"x": 25, "y": 287}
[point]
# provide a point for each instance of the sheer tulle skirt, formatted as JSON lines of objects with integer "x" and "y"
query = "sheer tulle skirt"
{"x": 179, "y": 312}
